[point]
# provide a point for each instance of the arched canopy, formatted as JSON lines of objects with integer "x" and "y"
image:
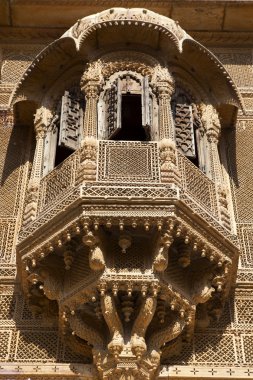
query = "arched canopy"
{"x": 130, "y": 29}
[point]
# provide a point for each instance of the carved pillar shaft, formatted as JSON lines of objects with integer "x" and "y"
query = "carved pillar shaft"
{"x": 215, "y": 165}
{"x": 213, "y": 133}
{"x": 91, "y": 91}
{"x": 166, "y": 125}
{"x": 90, "y": 84}
{"x": 37, "y": 169}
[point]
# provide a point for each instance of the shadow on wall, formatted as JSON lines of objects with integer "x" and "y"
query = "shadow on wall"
{"x": 20, "y": 139}
{"x": 208, "y": 347}
{"x": 34, "y": 338}
{"x": 230, "y": 138}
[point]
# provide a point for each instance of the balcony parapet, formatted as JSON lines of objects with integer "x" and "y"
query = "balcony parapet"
{"x": 128, "y": 173}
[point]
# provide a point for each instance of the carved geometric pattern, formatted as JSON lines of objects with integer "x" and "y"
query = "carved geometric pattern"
{"x": 128, "y": 162}
{"x": 58, "y": 181}
{"x": 16, "y": 59}
{"x": 133, "y": 260}
{"x": 241, "y": 154}
{"x": 238, "y": 63}
{"x": 215, "y": 349}
{"x": 5, "y": 340}
{"x": 184, "y": 129}
{"x": 246, "y": 238}
{"x": 7, "y": 306}
{"x": 226, "y": 318}
{"x": 4, "y": 95}
{"x": 245, "y": 276}
{"x": 13, "y": 68}
{"x": 7, "y": 234}
{"x": 125, "y": 191}
{"x": 10, "y": 169}
{"x": 7, "y": 271}
{"x": 68, "y": 356}
{"x": 208, "y": 349}
{"x": 198, "y": 185}
{"x": 81, "y": 270}
{"x": 26, "y": 314}
{"x": 112, "y": 100}
{"x": 248, "y": 100}
{"x": 247, "y": 344}
{"x": 36, "y": 346}
{"x": 71, "y": 120}
{"x": 244, "y": 312}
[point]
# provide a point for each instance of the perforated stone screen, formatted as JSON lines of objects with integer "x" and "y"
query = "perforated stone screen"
{"x": 128, "y": 161}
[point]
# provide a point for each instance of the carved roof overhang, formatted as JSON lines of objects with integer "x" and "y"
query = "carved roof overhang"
{"x": 43, "y": 234}
{"x": 115, "y": 28}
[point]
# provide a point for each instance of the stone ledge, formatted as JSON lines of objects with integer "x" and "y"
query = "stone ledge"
{"x": 18, "y": 370}
{"x": 207, "y": 372}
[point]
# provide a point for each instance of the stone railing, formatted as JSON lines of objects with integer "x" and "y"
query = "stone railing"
{"x": 58, "y": 182}
{"x": 128, "y": 161}
{"x": 130, "y": 170}
{"x": 197, "y": 186}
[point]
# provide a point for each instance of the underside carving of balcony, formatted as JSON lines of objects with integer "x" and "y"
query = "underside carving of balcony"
{"x": 125, "y": 251}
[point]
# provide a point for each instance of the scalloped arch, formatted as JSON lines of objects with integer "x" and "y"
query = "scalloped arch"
{"x": 68, "y": 48}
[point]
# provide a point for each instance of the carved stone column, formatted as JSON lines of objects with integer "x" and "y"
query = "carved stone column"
{"x": 91, "y": 91}
{"x": 213, "y": 128}
{"x": 91, "y": 85}
{"x": 40, "y": 125}
{"x": 164, "y": 84}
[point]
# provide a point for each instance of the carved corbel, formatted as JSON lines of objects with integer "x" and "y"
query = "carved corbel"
{"x": 141, "y": 324}
{"x": 96, "y": 258}
{"x": 161, "y": 253}
{"x": 52, "y": 284}
{"x": 86, "y": 332}
{"x": 114, "y": 324}
{"x": 184, "y": 254}
{"x": 165, "y": 335}
{"x": 96, "y": 255}
{"x": 201, "y": 287}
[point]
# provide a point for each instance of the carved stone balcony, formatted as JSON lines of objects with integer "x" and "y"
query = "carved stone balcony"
{"x": 129, "y": 240}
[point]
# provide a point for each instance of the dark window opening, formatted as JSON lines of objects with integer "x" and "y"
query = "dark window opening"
{"x": 131, "y": 119}
{"x": 62, "y": 152}
{"x": 195, "y": 160}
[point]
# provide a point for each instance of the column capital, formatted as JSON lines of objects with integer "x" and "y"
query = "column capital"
{"x": 211, "y": 122}
{"x": 165, "y": 89}
{"x": 92, "y": 80}
{"x": 163, "y": 81}
{"x": 41, "y": 121}
{"x": 91, "y": 89}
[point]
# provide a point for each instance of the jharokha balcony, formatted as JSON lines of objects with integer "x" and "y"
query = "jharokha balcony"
{"x": 128, "y": 236}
